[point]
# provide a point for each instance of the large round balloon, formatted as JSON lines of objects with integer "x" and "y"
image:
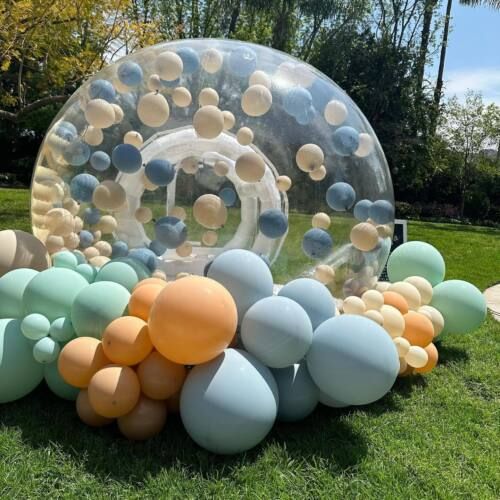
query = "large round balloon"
{"x": 12, "y": 287}
{"x": 229, "y": 404}
{"x": 168, "y": 127}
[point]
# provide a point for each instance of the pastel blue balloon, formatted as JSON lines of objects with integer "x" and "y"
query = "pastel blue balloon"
{"x": 46, "y": 350}
{"x": 102, "y": 89}
{"x": 87, "y": 271}
{"x": 462, "y": 305}
{"x": 158, "y": 248}
{"x": 228, "y": 196}
{"x": 273, "y": 223}
{"x": 61, "y": 330}
{"x": 317, "y": 243}
{"x": 190, "y": 59}
{"x": 137, "y": 264}
{"x": 242, "y": 61}
{"x": 340, "y": 196}
{"x": 382, "y": 212}
{"x": 245, "y": 275}
{"x": 82, "y": 187}
{"x": 119, "y": 272}
{"x": 130, "y": 74}
{"x": 298, "y": 394}
{"x": 171, "y": 84}
{"x": 322, "y": 94}
{"x": 313, "y": 297}
{"x": 326, "y": 400}
{"x": 229, "y": 404}
{"x": 100, "y": 161}
{"x": 306, "y": 116}
{"x": 126, "y": 158}
{"x": 145, "y": 256}
{"x": 35, "y": 326}
{"x": 57, "y": 384}
{"x": 170, "y": 231}
{"x": 265, "y": 258}
{"x": 345, "y": 141}
{"x": 19, "y": 372}
{"x": 76, "y": 153}
{"x": 277, "y": 331}
{"x": 160, "y": 172}
{"x": 353, "y": 360}
{"x": 361, "y": 210}
{"x": 119, "y": 249}
{"x": 297, "y": 100}
{"x": 12, "y": 286}
{"x": 91, "y": 216}
{"x": 66, "y": 130}
{"x": 86, "y": 238}
{"x": 65, "y": 259}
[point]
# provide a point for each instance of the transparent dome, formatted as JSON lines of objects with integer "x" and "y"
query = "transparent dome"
{"x": 192, "y": 147}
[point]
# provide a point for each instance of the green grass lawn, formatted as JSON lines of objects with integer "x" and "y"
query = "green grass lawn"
{"x": 435, "y": 436}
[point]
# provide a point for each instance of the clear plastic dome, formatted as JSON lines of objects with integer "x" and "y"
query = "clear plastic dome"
{"x": 192, "y": 147}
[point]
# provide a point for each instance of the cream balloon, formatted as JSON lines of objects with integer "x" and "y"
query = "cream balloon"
{"x": 208, "y": 122}
{"x": 208, "y": 97}
{"x": 211, "y": 60}
{"x": 184, "y": 250}
{"x": 99, "y": 260}
{"x": 154, "y": 83}
{"x": 107, "y": 224}
{"x": 335, "y": 112}
{"x": 260, "y": 78}
{"x": 109, "y": 195}
{"x": 104, "y": 248}
{"x": 60, "y": 222}
{"x": 435, "y": 316}
{"x": 283, "y": 183}
{"x": 118, "y": 113}
{"x": 209, "y": 211}
{"x": 93, "y": 136}
{"x": 229, "y": 120}
{"x": 416, "y": 357}
{"x": 374, "y": 316}
{"x": 99, "y": 113}
{"x": 321, "y": 220}
{"x": 402, "y": 346}
{"x": 143, "y": 215}
{"x": 256, "y": 100}
{"x": 364, "y": 237}
{"x": 382, "y": 286}
{"x": 71, "y": 241}
{"x": 309, "y": 157}
{"x": 190, "y": 165}
{"x": 178, "y": 212}
{"x": 423, "y": 287}
{"x": 250, "y": 167}
{"x": 71, "y": 206}
{"x": 373, "y": 299}
{"x": 169, "y": 66}
{"x": 181, "y": 97}
{"x": 153, "y": 110}
{"x": 324, "y": 274}
{"x": 78, "y": 224}
{"x": 209, "y": 238}
{"x": 133, "y": 138}
{"x": 365, "y": 145}
{"x": 319, "y": 174}
{"x": 353, "y": 305}
{"x": 221, "y": 168}
{"x": 19, "y": 249}
{"x": 54, "y": 243}
{"x": 244, "y": 136}
{"x": 394, "y": 322}
{"x": 409, "y": 292}
{"x": 90, "y": 253}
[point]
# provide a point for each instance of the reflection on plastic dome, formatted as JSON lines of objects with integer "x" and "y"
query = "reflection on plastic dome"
{"x": 189, "y": 148}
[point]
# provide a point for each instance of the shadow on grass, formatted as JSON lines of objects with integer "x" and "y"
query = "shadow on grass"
{"x": 459, "y": 228}
{"x": 450, "y": 354}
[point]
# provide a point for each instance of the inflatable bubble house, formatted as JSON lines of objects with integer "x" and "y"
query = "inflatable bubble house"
{"x": 193, "y": 147}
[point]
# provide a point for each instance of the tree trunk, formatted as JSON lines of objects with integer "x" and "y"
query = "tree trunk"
{"x": 282, "y": 25}
{"x": 429, "y": 7}
{"x": 498, "y": 153}
{"x": 235, "y": 14}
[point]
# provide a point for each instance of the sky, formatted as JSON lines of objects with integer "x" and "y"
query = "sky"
{"x": 473, "y": 56}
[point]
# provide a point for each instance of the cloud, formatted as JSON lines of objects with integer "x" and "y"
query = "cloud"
{"x": 484, "y": 80}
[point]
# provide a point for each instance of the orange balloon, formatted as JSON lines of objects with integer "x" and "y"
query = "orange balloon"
{"x": 142, "y": 300}
{"x": 159, "y": 377}
{"x": 418, "y": 329}
{"x": 86, "y": 412}
{"x": 433, "y": 354}
{"x": 192, "y": 320}
{"x": 145, "y": 421}
{"x": 151, "y": 281}
{"x": 126, "y": 340}
{"x": 114, "y": 391}
{"x": 80, "y": 359}
{"x": 396, "y": 300}
{"x": 174, "y": 403}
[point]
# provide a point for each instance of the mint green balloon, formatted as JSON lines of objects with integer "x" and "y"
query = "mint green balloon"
{"x": 118, "y": 272}
{"x": 416, "y": 258}
{"x": 62, "y": 330}
{"x": 46, "y": 350}
{"x": 12, "y": 287}
{"x": 462, "y": 305}
{"x": 56, "y": 383}
{"x": 35, "y": 326}
{"x": 87, "y": 271}
{"x": 65, "y": 259}
{"x": 52, "y": 292}
{"x": 79, "y": 257}
{"x": 96, "y": 306}
{"x": 19, "y": 372}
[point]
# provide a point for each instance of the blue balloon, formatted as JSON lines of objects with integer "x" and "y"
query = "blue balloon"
{"x": 102, "y": 89}
{"x": 273, "y": 223}
{"x": 298, "y": 394}
{"x": 265, "y": 258}
{"x": 313, "y": 297}
{"x": 160, "y": 172}
{"x": 130, "y": 74}
{"x": 361, "y": 210}
{"x": 277, "y": 331}
{"x": 100, "y": 161}
{"x": 242, "y": 61}
{"x": 91, "y": 216}
{"x": 353, "y": 360}
{"x": 79, "y": 257}
{"x": 119, "y": 249}
{"x": 66, "y": 130}
{"x": 245, "y": 275}
{"x": 326, "y": 400}
{"x": 145, "y": 256}
{"x": 306, "y": 116}
{"x": 229, "y": 404}
{"x": 297, "y": 101}
{"x": 82, "y": 187}
{"x": 228, "y": 196}
{"x": 317, "y": 243}
{"x": 76, "y": 153}
{"x": 190, "y": 59}
{"x": 170, "y": 84}
{"x": 340, "y": 196}
{"x": 322, "y": 93}
{"x": 345, "y": 141}
{"x": 382, "y": 212}
{"x": 126, "y": 158}
{"x": 158, "y": 248}
{"x": 170, "y": 231}
{"x": 86, "y": 239}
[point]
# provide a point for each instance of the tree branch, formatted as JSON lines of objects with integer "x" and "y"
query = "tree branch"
{"x": 40, "y": 103}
